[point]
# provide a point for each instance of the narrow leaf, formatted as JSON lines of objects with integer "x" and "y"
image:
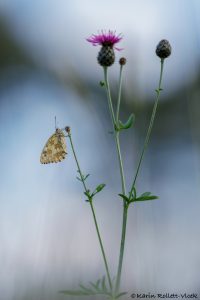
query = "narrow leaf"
{"x": 103, "y": 284}
{"x": 86, "y": 176}
{"x": 120, "y": 295}
{"x": 128, "y": 123}
{"x": 124, "y": 197}
{"x": 98, "y": 282}
{"x": 85, "y": 289}
{"x": 78, "y": 178}
{"x": 146, "y": 198}
{"x": 102, "y": 83}
{"x": 134, "y": 194}
{"x": 100, "y": 187}
{"x": 95, "y": 287}
{"x": 145, "y": 194}
{"x": 87, "y": 193}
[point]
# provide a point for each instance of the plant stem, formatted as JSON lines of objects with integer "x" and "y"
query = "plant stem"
{"x": 122, "y": 245}
{"x": 125, "y": 211}
{"x": 146, "y": 142}
{"x": 119, "y": 93}
{"x": 93, "y": 213}
{"x": 116, "y": 133}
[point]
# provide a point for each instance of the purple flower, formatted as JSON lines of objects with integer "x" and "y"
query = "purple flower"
{"x": 105, "y": 39}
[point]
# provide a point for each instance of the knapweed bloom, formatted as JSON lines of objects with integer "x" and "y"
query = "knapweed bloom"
{"x": 163, "y": 49}
{"x": 106, "y": 55}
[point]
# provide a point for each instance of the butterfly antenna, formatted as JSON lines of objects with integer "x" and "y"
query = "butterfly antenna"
{"x": 55, "y": 123}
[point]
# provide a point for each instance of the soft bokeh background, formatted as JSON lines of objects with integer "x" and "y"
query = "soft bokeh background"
{"x": 47, "y": 236}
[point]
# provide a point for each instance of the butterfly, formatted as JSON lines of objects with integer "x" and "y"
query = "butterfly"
{"x": 55, "y": 148}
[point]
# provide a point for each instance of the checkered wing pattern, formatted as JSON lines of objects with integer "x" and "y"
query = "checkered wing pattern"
{"x": 55, "y": 149}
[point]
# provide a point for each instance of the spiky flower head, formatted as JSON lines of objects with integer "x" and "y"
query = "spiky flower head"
{"x": 107, "y": 40}
{"x": 163, "y": 49}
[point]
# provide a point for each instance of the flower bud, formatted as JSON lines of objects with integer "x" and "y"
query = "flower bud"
{"x": 122, "y": 61}
{"x": 67, "y": 129}
{"x": 163, "y": 49}
{"x": 106, "y": 56}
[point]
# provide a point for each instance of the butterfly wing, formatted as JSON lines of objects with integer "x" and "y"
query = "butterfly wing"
{"x": 55, "y": 149}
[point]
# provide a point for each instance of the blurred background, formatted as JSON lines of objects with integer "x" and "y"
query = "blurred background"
{"x": 47, "y": 236}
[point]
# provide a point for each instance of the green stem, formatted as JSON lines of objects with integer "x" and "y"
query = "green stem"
{"x": 146, "y": 142}
{"x": 124, "y": 222}
{"x": 125, "y": 212}
{"x": 119, "y": 93}
{"x": 93, "y": 213}
{"x": 121, "y": 255}
{"x": 116, "y": 133}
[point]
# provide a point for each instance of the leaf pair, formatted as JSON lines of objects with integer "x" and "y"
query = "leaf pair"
{"x": 146, "y": 196}
{"x": 133, "y": 197}
{"x": 127, "y": 124}
{"x": 98, "y": 189}
{"x": 82, "y": 177}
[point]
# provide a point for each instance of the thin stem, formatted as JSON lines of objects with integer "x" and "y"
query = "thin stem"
{"x": 125, "y": 211}
{"x": 109, "y": 97}
{"x": 146, "y": 142}
{"x": 119, "y": 93}
{"x": 93, "y": 213}
{"x": 116, "y": 133}
{"x": 122, "y": 245}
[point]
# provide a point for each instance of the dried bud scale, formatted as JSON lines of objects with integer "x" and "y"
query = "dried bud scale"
{"x": 163, "y": 49}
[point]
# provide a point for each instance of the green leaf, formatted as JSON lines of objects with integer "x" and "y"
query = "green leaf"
{"x": 153, "y": 197}
{"x": 78, "y": 178}
{"x": 95, "y": 287}
{"x": 103, "y": 284}
{"x": 98, "y": 189}
{"x": 98, "y": 282}
{"x": 158, "y": 90}
{"x": 145, "y": 194}
{"x": 120, "y": 295}
{"x": 86, "y": 290}
{"x": 124, "y": 197}
{"x": 98, "y": 288}
{"x": 128, "y": 123}
{"x": 102, "y": 83}
{"x": 87, "y": 193}
{"x": 133, "y": 196}
{"x": 86, "y": 176}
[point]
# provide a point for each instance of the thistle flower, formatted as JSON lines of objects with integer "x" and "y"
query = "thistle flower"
{"x": 106, "y": 55}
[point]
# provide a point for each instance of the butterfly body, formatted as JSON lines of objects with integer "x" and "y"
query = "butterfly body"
{"x": 55, "y": 148}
